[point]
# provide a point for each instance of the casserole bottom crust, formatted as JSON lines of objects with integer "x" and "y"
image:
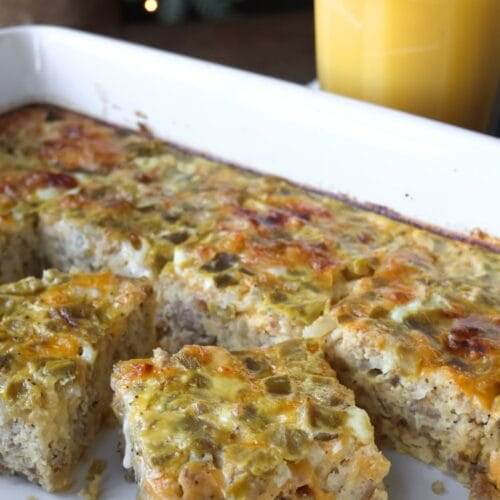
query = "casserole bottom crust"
{"x": 271, "y": 424}
{"x": 56, "y": 366}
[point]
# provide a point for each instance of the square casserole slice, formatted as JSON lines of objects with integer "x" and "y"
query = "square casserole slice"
{"x": 59, "y": 337}
{"x": 264, "y": 423}
{"x": 421, "y": 353}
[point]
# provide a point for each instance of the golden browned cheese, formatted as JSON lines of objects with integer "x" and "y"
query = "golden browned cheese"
{"x": 40, "y": 137}
{"x": 445, "y": 312}
{"x": 243, "y": 424}
{"x": 268, "y": 245}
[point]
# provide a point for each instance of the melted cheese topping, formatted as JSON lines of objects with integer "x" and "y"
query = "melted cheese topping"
{"x": 261, "y": 246}
{"x": 253, "y": 415}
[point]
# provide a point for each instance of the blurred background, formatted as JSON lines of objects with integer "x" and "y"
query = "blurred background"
{"x": 277, "y": 38}
{"x": 273, "y": 37}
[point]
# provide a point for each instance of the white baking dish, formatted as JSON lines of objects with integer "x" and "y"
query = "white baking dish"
{"x": 427, "y": 171}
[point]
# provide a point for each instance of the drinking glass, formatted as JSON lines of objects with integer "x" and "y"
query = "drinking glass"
{"x": 436, "y": 58}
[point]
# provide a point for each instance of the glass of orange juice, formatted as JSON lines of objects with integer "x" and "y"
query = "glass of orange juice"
{"x": 436, "y": 58}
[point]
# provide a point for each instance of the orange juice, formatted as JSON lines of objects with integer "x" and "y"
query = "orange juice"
{"x": 437, "y": 58}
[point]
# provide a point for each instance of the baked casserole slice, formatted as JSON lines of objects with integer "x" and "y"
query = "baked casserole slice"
{"x": 269, "y": 423}
{"x": 59, "y": 336}
{"x": 421, "y": 349}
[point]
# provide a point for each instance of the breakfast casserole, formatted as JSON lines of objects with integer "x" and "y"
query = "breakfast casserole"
{"x": 411, "y": 319}
{"x": 262, "y": 423}
{"x": 59, "y": 337}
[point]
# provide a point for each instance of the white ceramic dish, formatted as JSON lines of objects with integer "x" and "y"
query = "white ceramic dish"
{"x": 426, "y": 171}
